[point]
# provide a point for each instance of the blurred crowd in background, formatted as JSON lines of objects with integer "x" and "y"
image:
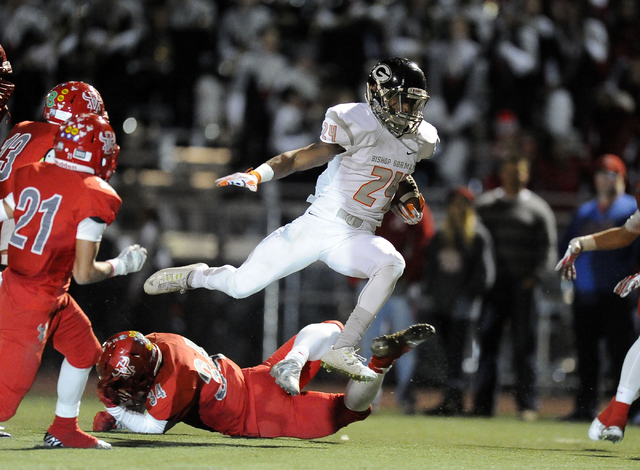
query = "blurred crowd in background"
{"x": 555, "y": 80}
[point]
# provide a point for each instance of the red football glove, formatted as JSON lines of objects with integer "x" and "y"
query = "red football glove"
{"x": 566, "y": 264}
{"x": 6, "y": 87}
{"x": 5, "y": 65}
{"x": 104, "y": 422}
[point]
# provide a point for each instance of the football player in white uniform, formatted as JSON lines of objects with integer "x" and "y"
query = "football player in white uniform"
{"x": 371, "y": 150}
{"x": 611, "y": 422}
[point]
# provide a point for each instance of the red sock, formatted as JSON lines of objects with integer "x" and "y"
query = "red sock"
{"x": 66, "y": 430}
{"x": 376, "y": 364}
{"x": 605, "y": 414}
{"x": 619, "y": 413}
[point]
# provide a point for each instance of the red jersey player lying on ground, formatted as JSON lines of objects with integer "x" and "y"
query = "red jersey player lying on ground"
{"x": 610, "y": 423}
{"x": 177, "y": 381}
{"x": 61, "y": 210}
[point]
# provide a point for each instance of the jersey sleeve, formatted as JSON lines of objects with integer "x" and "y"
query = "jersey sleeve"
{"x": 90, "y": 230}
{"x": 350, "y": 125}
{"x": 428, "y": 139}
{"x": 104, "y": 201}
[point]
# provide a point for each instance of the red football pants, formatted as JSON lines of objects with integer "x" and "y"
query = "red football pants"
{"x": 24, "y": 332}
{"x": 308, "y": 415}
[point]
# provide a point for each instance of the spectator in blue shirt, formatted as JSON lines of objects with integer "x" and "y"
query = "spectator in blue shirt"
{"x": 598, "y": 313}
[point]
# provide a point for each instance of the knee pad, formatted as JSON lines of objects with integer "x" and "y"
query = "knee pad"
{"x": 392, "y": 271}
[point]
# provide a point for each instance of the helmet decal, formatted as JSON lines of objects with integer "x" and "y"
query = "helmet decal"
{"x": 108, "y": 139}
{"x": 123, "y": 367}
{"x": 93, "y": 103}
{"x": 382, "y": 73}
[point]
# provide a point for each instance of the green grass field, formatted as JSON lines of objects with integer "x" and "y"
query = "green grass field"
{"x": 385, "y": 440}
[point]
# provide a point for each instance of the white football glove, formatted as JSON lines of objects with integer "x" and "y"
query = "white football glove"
{"x": 244, "y": 180}
{"x": 130, "y": 260}
{"x": 409, "y": 213}
{"x": 565, "y": 265}
{"x": 629, "y": 283}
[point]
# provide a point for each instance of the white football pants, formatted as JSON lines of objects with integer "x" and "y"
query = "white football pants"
{"x": 349, "y": 251}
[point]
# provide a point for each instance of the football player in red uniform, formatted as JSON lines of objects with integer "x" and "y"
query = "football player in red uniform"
{"x": 176, "y": 381}
{"x": 61, "y": 210}
{"x": 31, "y": 141}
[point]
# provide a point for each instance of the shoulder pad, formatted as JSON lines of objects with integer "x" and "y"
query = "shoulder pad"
{"x": 104, "y": 198}
{"x": 355, "y": 123}
{"x": 427, "y": 138}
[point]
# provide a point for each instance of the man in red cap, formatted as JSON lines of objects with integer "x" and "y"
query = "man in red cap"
{"x": 598, "y": 313}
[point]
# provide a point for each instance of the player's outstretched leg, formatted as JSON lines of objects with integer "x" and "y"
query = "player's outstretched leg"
{"x": 287, "y": 375}
{"x": 387, "y": 348}
{"x": 172, "y": 279}
{"x": 4, "y": 433}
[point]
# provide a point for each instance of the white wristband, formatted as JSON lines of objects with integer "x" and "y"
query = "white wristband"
{"x": 118, "y": 267}
{"x": 265, "y": 171}
{"x": 587, "y": 243}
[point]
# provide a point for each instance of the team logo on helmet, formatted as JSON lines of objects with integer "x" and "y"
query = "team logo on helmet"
{"x": 382, "y": 73}
{"x": 92, "y": 100}
{"x": 108, "y": 140}
{"x": 123, "y": 368}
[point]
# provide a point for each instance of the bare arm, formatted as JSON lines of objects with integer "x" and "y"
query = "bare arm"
{"x": 86, "y": 270}
{"x": 282, "y": 165}
{"x": 613, "y": 238}
{"x": 302, "y": 159}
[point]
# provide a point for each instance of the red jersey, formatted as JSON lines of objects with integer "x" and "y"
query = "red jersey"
{"x": 28, "y": 142}
{"x": 50, "y": 202}
{"x": 188, "y": 378}
{"x": 215, "y": 394}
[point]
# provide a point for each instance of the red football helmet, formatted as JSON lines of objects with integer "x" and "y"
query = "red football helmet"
{"x": 87, "y": 143}
{"x": 128, "y": 365}
{"x": 71, "y": 98}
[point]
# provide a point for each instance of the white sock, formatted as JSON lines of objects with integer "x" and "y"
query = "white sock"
{"x": 360, "y": 395}
{"x": 356, "y": 325}
{"x": 313, "y": 341}
{"x": 71, "y": 384}
{"x": 629, "y": 384}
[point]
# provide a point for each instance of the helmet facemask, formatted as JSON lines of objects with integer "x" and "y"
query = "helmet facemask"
{"x": 397, "y": 94}
{"x": 399, "y": 110}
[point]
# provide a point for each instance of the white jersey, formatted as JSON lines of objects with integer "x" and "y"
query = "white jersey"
{"x": 363, "y": 180}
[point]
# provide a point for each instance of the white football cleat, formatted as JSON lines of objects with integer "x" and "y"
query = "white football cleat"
{"x": 600, "y": 432}
{"x": 171, "y": 279}
{"x": 613, "y": 434}
{"x": 346, "y": 361}
{"x": 595, "y": 430}
{"x": 4, "y": 433}
{"x": 287, "y": 375}
{"x": 52, "y": 441}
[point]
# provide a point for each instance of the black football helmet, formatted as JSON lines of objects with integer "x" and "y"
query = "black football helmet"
{"x": 397, "y": 94}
